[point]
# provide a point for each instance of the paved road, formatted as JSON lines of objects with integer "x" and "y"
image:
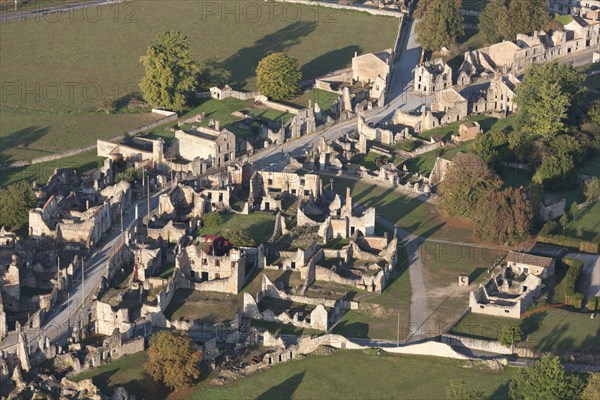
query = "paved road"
{"x": 56, "y": 324}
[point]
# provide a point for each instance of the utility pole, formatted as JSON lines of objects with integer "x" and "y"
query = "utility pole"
{"x": 122, "y": 230}
{"x": 148, "y": 224}
{"x": 82, "y": 285}
{"x": 68, "y": 314}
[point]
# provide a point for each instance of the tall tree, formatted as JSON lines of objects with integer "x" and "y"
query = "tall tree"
{"x": 556, "y": 172}
{"x": 504, "y": 19}
{"x": 170, "y": 72}
{"x": 466, "y": 181}
{"x": 549, "y": 98}
{"x": 493, "y": 21}
{"x": 510, "y": 335}
{"x": 503, "y": 217}
{"x": 440, "y": 23}
{"x": 545, "y": 380}
{"x": 592, "y": 389}
{"x": 173, "y": 359}
{"x": 15, "y": 202}
{"x": 277, "y": 76}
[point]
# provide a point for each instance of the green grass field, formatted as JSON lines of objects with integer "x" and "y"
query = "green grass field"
{"x": 47, "y": 87}
{"x": 29, "y": 134}
{"x": 259, "y": 225}
{"x": 127, "y": 372}
{"x": 41, "y": 172}
{"x": 324, "y": 98}
{"x": 415, "y": 216}
{"x": 343, "y": 375}
{"x": 377, "y": 317}
{"x": 360, "y": 375}
{"x": 549, "y": 330}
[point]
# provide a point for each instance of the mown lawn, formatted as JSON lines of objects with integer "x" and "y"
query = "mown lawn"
{"x": 28, "y": 134}
{"x": 128, "y": 372}
{"x": 259, "y": 225}
{"x": 549, "y": 330}
{"x": 361, "y": 375}
{"x": 99, "y": 53}
{"x": 324, "y": 98}
{"x": 41, "y": 172}
{"x": 588, "y": 220}
{"x": 415, "y": 216}
{"x": 379, "y": 314}
{"x": 424, "y": 163}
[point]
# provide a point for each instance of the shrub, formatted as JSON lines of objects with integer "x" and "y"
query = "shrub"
{"x": 592, "y": 303}
{"x": 577, "y": 300}
{"x": 130, "y": 175}
{"x": 212, "y": 220}
{"x": 550, "y": 228}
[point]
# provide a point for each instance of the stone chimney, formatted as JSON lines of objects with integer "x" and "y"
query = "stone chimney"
{"x": 217, "y": 125}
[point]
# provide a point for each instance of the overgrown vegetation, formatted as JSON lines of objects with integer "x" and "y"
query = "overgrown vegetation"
{"x": 15, "y": 202}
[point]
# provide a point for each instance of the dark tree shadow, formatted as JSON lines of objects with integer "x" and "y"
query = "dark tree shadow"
{"x": 331, "y": 61}
{"x": 476, "y": 273}
{"x": 243, "y": 63}
{"x": 352, "y": 329}
{"x": 22, "y": 138}
{"x": 284, "y": 390}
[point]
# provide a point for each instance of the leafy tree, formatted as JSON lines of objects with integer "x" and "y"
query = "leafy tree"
{"x": 458, "y": 390}
{"x": 213, "y": 73}
{"x": 130, "y": 175}
{"x": 277, "y": 76}
{"x": 503, "y": 217}
{"x": 510, "y": 335}
{"x": 555, "y": 172}
{"x": 592, "y": 189}
{"x": 489, "y": 146}
{"x": 15, "y": 202}
{"x": 239, "y": 237}
{"x": 546, "y": 113}
{"x": 212, "y": 219}
{"x": 550, "y": 228}
{"x": 566, "y": 145}
{"x": 466, "y": 181}
{"x": 545, "y": 380}
{"x": 592, "y": 389}
{"x": 549, "y": 98}
{"x": 173, "y": 359}
{"x": 594, "y": 113}
{"x": 504, "y": 19}
{"x": 493, "y": 21}
{"x": 564, "y": 221}
{"x": 440, "y": 23}
{"x": 520, "y": 145}
{"x": 171, "y": 72}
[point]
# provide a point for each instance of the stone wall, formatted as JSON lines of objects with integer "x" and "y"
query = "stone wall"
{"x": 490, "y": 346}
{"x": 367, "y": 9}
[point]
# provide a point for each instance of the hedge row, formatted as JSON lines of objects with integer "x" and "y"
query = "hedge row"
{"x": 573, "y": 243}
{"x": 575, "y": 267}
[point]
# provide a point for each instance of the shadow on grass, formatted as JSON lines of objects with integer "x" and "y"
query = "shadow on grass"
{"x": 22, "y": 139}
{"x": 476, "y": 274}
{"x": 331, "y": 61}
{"x": 244, "y": 62}
{"x": 285, "y": 389}
{"x": 352, "y": 329}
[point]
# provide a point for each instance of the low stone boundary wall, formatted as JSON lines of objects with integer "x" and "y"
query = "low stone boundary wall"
{"x": 367, "y": 9}
{"x": 169, "y": 116}
{"x": 491, "y": 346}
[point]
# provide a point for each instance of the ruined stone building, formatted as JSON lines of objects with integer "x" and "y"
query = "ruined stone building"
{"x": 269, "y": 188}
{"x": 449, "y": 106}
{"x": 467, "y": 131}
{"x": 213, "y": 144}
{"x": 525, "y": 263}
{"x": 507, "y": 294}
{"x": 573, "y": 7}
{"x": 303, "y": 123}
{"x": 59, "y": 218}
{"x": 368, "y": 67}
{"x": 497, "y": 97}
{"x": 214, "y": 264}
{"x": 432, "y": 76}
{"x": 514, "y": 57}
{"x": 133, "y": 149}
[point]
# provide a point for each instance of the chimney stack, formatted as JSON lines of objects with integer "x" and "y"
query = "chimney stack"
{"x": 217, "y": 126}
